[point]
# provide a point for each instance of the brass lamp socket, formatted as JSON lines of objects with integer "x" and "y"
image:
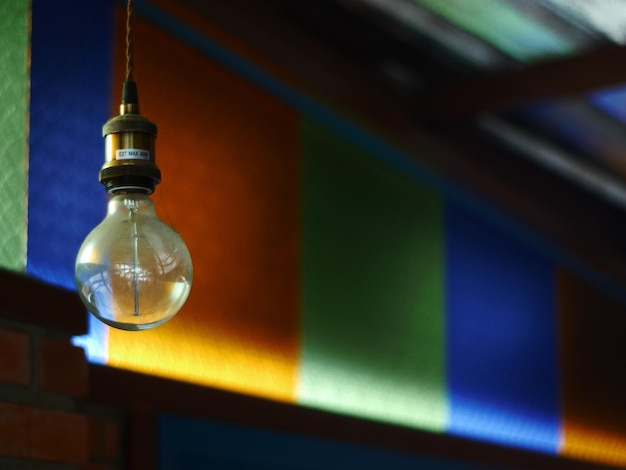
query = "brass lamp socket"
{"x": 129, "y": 153}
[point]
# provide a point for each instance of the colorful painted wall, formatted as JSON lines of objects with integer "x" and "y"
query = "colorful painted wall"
{"x": 332, "y": 270}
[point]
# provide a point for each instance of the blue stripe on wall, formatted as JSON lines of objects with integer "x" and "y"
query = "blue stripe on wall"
{"x": 502, "y": 352}
{"x": 70, "y": 101}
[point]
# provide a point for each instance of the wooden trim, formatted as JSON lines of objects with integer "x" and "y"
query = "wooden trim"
{"x": 572, "y": 76}
{"x": 36, "y": 303}
{"x": 144, "y": 397}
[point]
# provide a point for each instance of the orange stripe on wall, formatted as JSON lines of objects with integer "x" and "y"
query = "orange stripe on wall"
{"x": 593, "y": 329}
{"x": 228, "y": 153}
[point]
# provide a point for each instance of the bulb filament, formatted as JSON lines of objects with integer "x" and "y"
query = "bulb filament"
{"x": 135, "y": 242}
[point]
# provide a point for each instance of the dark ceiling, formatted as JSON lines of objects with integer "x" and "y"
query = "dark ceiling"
{"x": 519, "y": 101}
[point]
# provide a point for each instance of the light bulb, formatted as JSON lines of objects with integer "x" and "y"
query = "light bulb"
{"x": 133, "y": 271}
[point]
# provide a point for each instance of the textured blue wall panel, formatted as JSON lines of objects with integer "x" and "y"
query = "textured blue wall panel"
{"x": 502, "y": 363}
{"x": 70, "y": 100}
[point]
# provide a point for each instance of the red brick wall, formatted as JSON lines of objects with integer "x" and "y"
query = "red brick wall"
{"x": 47, "y": 421}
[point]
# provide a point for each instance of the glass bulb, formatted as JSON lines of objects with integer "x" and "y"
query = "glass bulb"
{"x": 133, "y": 271}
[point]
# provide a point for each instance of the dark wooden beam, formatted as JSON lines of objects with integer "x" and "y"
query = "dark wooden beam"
{"x": 32, "y": 301}
{"x": 145, "y": 397}
{"x": 572, "y": 76}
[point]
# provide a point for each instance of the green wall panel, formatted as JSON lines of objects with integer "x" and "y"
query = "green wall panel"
{"x": 14, "y": 57}
{"x": 372, "y": 300}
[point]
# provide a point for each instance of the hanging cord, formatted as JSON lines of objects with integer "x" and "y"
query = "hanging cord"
{"x": 130, "y": 38}
{"x": 129, "y": 91}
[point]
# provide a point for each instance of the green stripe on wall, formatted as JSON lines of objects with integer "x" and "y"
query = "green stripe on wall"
{"x": 14, "y": 56}
{"x": 373, "y": 323}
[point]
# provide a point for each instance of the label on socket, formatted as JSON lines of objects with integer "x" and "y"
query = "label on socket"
{"x": 132, "y": 154}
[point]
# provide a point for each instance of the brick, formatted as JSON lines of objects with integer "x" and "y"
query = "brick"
{"x": 14, "y": 357}
{"x": 59, "y": 436}
{"x": 95, "y": 447}
{"x": 15, "y": 422}
{"x": 62, "y": 368}
{"x": 33, "y": 433}
{"x": 111, "y": 439}
{"x": 104, "y": 438}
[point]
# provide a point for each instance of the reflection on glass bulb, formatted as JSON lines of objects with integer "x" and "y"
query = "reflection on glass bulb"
{"x": 133, "y": 271}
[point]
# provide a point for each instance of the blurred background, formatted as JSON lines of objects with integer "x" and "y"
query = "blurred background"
{"x": 404, "y": 211}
